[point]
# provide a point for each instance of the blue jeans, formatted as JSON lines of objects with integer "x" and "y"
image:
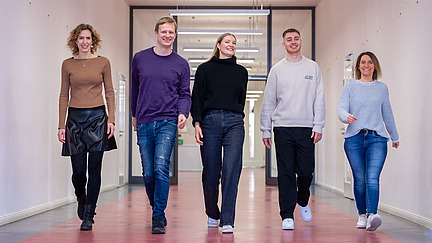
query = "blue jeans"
{"x": 366, "y": 154}
{"x": 156, "y": 141}
{"x": 222, "y": 129}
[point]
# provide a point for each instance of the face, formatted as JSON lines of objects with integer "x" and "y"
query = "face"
{"x": 292, "y": 42}
{"x": 166, "y": 35}
{"x": 84, "y": 41}
{"x": 227, "y": 47}
{"x": 366, "y": 66}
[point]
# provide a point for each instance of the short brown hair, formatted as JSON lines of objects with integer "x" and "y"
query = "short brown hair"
{"x": 73, "y": 36}
{"x": 165, "y": 20}
{"x": 290, "y": 30}
{"x": 377, "y": 67}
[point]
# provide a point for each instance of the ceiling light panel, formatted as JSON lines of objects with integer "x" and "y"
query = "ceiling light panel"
{"x": 218, "y": 12}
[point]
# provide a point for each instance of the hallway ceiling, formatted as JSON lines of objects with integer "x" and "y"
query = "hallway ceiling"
{"x": 281, "y": 20}
{"x": 245, "y": 3}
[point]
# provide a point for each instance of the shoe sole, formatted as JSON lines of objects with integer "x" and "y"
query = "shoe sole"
{"x": 375, "y": 223}
{"x": 227, "y": 231}
{"x": 213, "y": 225}
{"x": 158, "y": 231}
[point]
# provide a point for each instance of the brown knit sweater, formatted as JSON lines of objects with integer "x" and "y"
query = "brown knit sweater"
{"x": 84, "y": 79}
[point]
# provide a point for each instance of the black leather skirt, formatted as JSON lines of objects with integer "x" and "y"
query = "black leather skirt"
{"x": 86, "y": 131}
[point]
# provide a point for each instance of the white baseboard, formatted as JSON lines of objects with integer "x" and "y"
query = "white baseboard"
{"x": 15, "y": 216}
{"x": 330, "y": 188}
{"x": 418, "y": 219}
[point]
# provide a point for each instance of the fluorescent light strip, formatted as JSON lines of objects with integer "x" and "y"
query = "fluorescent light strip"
{"x": 240, "y": 60}
{"x": 195, "y": 68}
{"x": 254, "y": 92}
{"x": 209, "y": 49}
{"x": 218, "y": 32}
{"x": 218, "y": 12}
{"x": 252, "y": 96}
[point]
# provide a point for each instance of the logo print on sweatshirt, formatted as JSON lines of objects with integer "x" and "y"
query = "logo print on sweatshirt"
{"x": 310, "y": 77}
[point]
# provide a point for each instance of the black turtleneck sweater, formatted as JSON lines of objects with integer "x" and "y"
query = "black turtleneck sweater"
{"x": 220, "y": 84}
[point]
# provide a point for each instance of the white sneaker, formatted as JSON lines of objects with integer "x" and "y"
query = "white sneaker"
{"x": 212, "y": 223}
{"x": 373, "y": 222}
{"x": 288, "y": 224}
{"x": 305, "y": 213}
{"x": 227, "y": 229}
{"x": 361, "y": 223}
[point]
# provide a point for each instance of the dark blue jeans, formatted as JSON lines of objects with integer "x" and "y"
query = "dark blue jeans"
{"x": 366, "y": 154}
{"x": 223, "y": 132}
{"x": 156, "y": 141}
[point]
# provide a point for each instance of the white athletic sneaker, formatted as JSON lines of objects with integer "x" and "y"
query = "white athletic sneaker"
{"x": 288, "y": 224}
{"x": 212, "y": 223}
{"x": 361, "y": 223}
{"x": 227, "y": 229}
{"x": 373, "y": 222}
{"x": 305, "y": 213}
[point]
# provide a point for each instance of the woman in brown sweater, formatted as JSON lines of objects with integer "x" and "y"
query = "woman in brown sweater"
{"x": 88, "y": 131}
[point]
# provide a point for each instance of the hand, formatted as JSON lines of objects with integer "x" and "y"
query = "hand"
{"x": 181, "y": 121}
{"x": 61, "y": 135}
{"x": 395, "y": 144}
{"x": 198, "y": 134}
{"x": 134, "y": 123}
{"x": 351, "y": 119}
{"x": 316, "y": 136}
{"x": 110, "y": 130}
{"x": 267, "y": 142}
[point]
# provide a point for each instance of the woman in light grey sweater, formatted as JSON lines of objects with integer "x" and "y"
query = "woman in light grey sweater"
{"x": 364, "y": 104}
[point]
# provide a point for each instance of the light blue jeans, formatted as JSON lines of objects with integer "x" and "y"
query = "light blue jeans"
{"x": 156, "y": 141}
{"x": 366, "y": 154}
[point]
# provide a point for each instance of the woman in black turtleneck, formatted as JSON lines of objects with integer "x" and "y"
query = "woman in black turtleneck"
{"x": 218, "y": 100}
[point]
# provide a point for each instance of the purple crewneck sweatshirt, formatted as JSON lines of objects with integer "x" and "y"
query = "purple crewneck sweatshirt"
{"x": 160, "y": 86}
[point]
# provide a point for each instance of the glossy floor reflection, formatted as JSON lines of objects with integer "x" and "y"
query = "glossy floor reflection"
{"x": 124, "y": 215}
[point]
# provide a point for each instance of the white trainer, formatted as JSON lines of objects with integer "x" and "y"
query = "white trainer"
{"x": 227, "y": 229}
{"x": 212, "y": 223}
{"x": 305, "y": 213}
{"x": 361, "y": 223}
{"x": 288, "y": 224}
{"x": 373, "y": 222}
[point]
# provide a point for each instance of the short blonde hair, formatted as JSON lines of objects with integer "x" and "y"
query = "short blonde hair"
{"x": 165, "y": 20}
{"x": 73, "y": 36}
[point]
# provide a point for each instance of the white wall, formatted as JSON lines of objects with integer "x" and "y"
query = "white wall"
{"x": 33, "y": 175}
{"x": 398, "y": 32}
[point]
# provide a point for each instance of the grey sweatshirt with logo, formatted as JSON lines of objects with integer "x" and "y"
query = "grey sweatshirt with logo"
{"x": 293, "y": 97}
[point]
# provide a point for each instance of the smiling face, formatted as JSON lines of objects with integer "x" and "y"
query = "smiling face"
{"x": 366, "y": 66}
{"x": 84, "y": 41}
{"x": 166, "y": 35}
{"x": 292, "y": 42}
{"x": 227, "y": 47}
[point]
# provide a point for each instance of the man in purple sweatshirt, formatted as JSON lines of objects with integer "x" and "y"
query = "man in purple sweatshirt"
{"x": 160, "y": 102}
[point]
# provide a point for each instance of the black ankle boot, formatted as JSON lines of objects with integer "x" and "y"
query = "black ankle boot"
{"x": 81, "y": 202}
{"x": 89, "y": 213}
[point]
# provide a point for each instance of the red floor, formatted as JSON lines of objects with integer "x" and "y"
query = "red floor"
{"x": 128, "y": 219}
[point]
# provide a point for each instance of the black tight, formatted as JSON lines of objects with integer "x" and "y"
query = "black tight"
{"x": 79, "y": 178}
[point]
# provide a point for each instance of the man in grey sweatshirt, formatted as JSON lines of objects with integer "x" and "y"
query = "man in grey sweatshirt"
{"x": 294, "y": 105}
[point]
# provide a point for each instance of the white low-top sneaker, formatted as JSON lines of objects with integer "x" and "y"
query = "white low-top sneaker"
{"x": 305, "y": 213}
{"x": 288, "y": 224}
{"x": 361, "y": 223}
{"x": 373, "y": 222}
{"x": 212, "y": 223}
{"x": 227, "y": 229}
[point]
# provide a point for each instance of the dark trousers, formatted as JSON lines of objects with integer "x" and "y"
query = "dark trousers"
{"x": 79, "y": 175}
{"x": 223, "y": 132}
{"x": 295, "y": 155}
